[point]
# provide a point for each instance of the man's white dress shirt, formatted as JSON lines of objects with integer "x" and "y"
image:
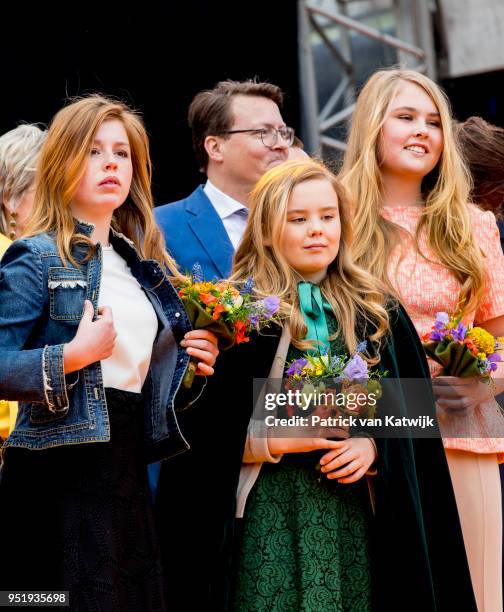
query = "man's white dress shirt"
{"x": 233, "y": 213}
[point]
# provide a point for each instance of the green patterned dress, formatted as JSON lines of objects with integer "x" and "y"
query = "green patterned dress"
{"x": 306, "y": 539}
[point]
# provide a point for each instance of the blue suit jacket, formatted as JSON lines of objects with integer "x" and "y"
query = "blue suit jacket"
{"x": 194, "y": 232}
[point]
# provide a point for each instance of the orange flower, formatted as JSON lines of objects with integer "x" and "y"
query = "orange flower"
{"x": 217, "y": 311}
{"x": 222, "y": 286}
{"x": 240, "y": 329}
{"x": 471, "y": 346}
{"x": 207, "y": 298}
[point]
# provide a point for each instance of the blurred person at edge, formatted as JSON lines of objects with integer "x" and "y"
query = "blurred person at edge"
{"x": 94, "y": 342}
{"x": 415, "y": 230}
{"x": 19, "y": 150}
{"x": 482, "y": 145}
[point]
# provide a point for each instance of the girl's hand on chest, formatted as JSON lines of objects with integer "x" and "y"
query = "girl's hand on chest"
{"x": 94, "y": 340}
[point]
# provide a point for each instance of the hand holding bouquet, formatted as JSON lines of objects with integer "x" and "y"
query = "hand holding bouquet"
{"x": 338, "y": 378}
{"x": 335, "y": 386}
{"x": 463, "y": 351}
{"x": 220, "y": 308}
{"x": 468, "y": 356}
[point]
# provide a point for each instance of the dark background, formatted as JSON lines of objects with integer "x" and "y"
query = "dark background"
{"x": 481, "y": 94}
{"x": 158, "y": 56}
{"x": 155, "y": 57}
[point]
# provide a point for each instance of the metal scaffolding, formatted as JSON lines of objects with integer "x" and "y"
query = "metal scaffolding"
{"x": 335, "y": 29}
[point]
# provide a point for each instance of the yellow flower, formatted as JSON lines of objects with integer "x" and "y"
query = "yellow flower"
{"x": 482, "y": 339}
{"x": 203, "y": 287}
{"x": 481, "y": 355}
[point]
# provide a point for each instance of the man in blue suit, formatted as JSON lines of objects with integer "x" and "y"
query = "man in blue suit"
{"x": 238, "y": 134}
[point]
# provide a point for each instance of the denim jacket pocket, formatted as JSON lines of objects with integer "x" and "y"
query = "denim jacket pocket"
{"x": 67, "y": 292}
{"x": 40, "y": 413}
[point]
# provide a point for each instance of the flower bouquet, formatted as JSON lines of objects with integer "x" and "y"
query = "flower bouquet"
{"x": 336, "y": 378}
{"x": 222, "y": 309}
{"x": 463, "y": 351}
{"x": 331, "y": 385}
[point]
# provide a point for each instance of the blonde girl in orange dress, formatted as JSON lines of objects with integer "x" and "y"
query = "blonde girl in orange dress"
{"x": 415, "y": 230}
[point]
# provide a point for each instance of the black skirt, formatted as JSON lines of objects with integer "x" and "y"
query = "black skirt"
{"x": 79, "y": 518}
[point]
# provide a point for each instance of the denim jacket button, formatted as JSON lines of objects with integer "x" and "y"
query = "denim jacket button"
{"x": 97, "y": 393}
{"x": 177, "y": 315}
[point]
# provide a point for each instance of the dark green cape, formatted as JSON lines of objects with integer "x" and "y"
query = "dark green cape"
{"x": 418, "y": 551}
{"x": 419, "y": 555}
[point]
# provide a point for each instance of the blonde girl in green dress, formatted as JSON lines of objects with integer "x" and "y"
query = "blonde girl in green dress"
{"x": 307, "y": 536}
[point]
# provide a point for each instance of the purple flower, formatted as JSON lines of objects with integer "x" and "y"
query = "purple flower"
{"x": 271, "y": 306}
{"x": 197, "y": 273}
{"x": 490, "y": 364}
{"x": 264, "y": 309}
{"x": 459, "y": 332}
{"x": 442, "y": 319}
{"x": 356, "y": 368}
{"x": 247, "y": 287}
{"x": 437, "y": 336}
{"x": 361, "y": 347}
{"x": 439, "y": 330}
{"x": 296, "y": 366}
{"x": 336, "y": 363}
{"x": 254, "y": 319}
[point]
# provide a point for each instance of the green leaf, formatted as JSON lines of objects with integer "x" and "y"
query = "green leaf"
{"x": 200, "y": 319}
{"x": 456, "y": 358}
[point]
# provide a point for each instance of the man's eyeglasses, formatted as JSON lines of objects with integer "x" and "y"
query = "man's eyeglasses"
{"x": 270, "y": 135}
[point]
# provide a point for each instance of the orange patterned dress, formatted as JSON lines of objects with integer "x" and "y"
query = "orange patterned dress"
{"x": 426, "y": 288}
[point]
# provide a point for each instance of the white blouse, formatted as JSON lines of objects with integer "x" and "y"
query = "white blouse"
{"x": 135, "y": 322}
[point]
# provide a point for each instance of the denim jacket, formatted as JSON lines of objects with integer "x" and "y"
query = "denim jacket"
{"x": 41, "y": 304}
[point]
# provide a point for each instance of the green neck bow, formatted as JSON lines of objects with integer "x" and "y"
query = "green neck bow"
{"x": 312, "y": 306}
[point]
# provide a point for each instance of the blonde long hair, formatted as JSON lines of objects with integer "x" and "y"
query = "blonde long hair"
{"x": 356, "y": 298}
{"x": 62, "y": 164}
{"x": 19, "y": 151}
{"x": 445, "y": 217}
